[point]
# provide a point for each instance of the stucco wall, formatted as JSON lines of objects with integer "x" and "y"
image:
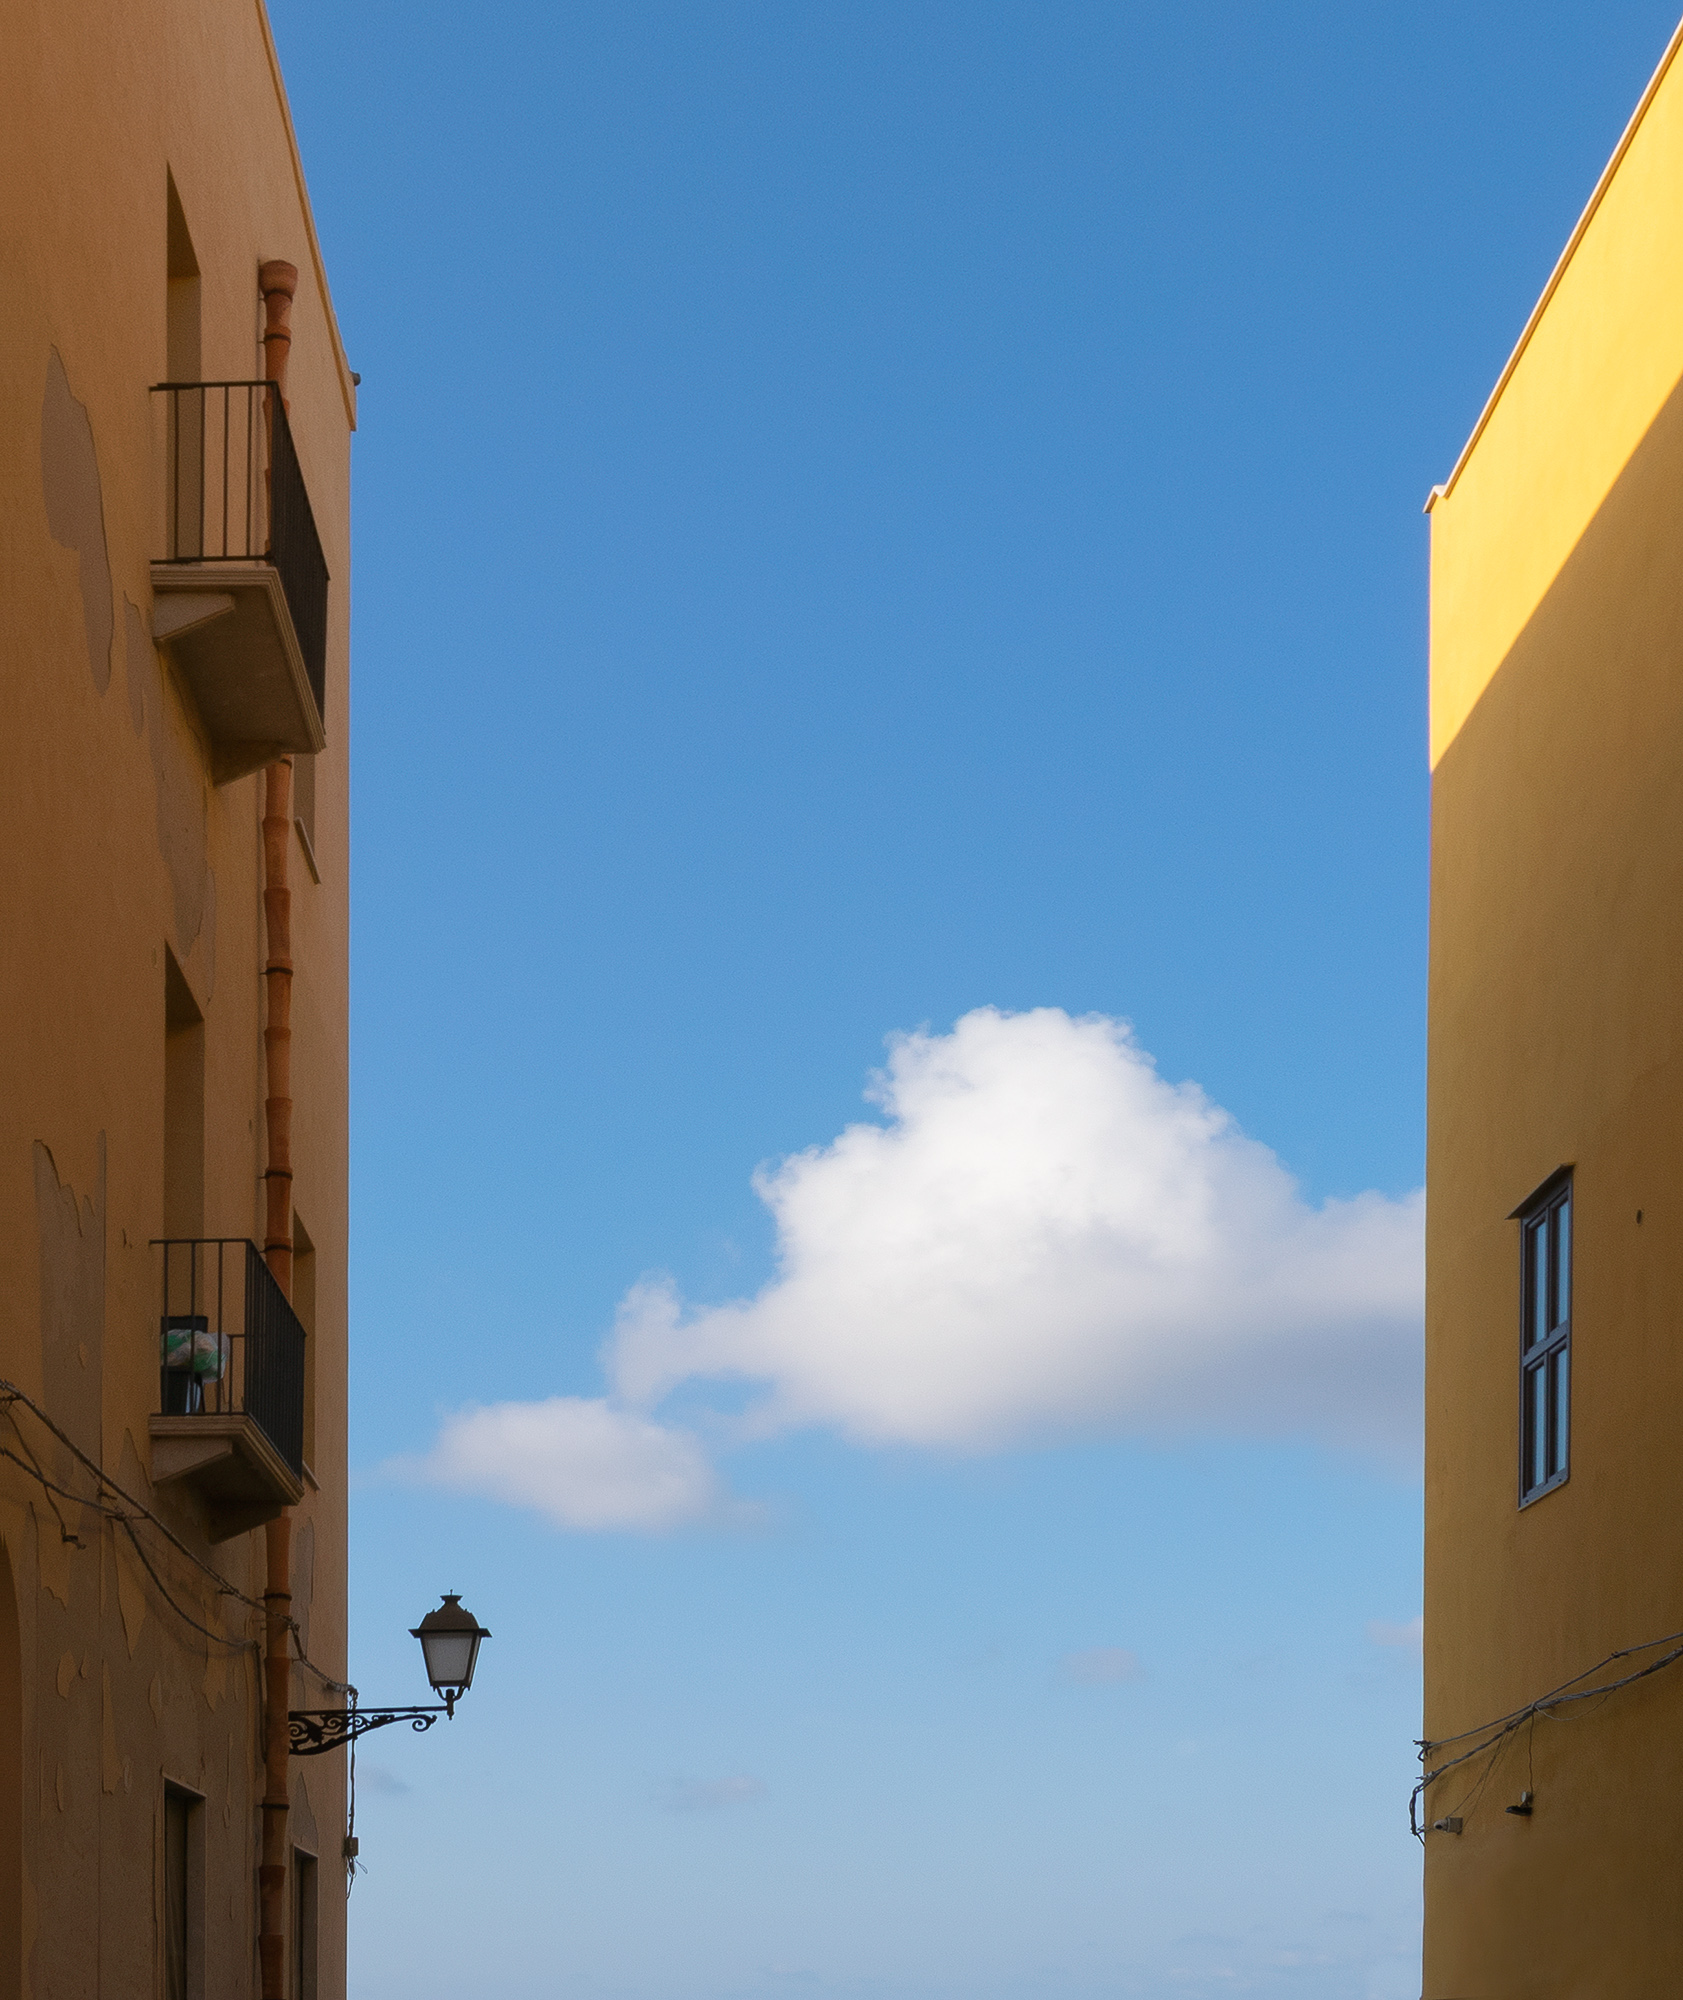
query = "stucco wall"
{"x": 119, "y": 848}
{"x": 1556, "y": 976}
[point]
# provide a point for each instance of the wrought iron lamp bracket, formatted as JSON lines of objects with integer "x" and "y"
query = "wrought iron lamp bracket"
{"x": 314, "y": 1730}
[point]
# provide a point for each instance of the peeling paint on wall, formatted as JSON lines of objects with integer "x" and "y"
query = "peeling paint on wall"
{"x": 215, "y": 1682}
{"x": 179, "y": 772}
{"x": 305, "y": 1833}
{"x": 76, "y": 509}
{"x": 53, "y": 1554}
{"x": 111, "y": 1762}
{"x": 182, "y": 807}
{"x": 131, "y": 1593}
{"x": 141, "y": 660}
{"x": 72, "y": 1239}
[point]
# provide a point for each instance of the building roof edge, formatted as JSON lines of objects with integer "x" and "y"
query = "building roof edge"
{"x": 1564, "y": 259}
{"x": 347, "y": 386}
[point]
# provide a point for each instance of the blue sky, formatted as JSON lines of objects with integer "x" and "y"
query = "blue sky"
{"x": 867, "y": 513}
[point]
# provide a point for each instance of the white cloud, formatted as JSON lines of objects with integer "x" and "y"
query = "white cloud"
{"x": 1043, "y": 1237}
{"x": 376, "y": 1778}
{"x": 711, "y": 1794}
{"x": 1410, "y": 1634}
{"x": 1103, "y": 1666}
{"x": 579, "y": 1461}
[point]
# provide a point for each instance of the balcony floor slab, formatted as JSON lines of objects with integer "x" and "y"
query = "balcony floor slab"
{"x": 232, "y": 1465}
{"x": 241, "y": 658}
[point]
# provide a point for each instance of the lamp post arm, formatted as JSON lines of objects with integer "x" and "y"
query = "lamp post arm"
{"x": 314, "y": 1730}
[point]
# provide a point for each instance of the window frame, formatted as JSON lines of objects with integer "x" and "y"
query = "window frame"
{"x": 1546, "y": 1354}
{"x": 305, "y": 1971}
{"x": 191, "y": 1803}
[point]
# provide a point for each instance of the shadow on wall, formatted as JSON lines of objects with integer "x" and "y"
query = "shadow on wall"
{"x": 71, "y": 490}
{"x": 72, "y": 1236}
{"x": 76, "y": 509}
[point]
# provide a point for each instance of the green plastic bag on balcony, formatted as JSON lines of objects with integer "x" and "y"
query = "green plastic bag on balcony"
{"x": 189, "y": 1347}
{"x": 211, "y": 1353}
{"x": 178, "y": 1340}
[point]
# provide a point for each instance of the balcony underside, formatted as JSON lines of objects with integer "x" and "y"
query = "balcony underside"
{"x": 229, "y": 630}
{"x": 230, "y": 1463}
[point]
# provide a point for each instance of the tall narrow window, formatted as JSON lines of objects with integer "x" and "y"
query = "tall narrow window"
{"x": 304, "y": 1922}
{"x": 181, "y": 322}
{"x": 182, "y": 333}
{"x": 184, "y": 1106}
{"x": 304, "y": 1305}
{"x": 183, "y": 1871}
{"x": 1545, "y": 1383}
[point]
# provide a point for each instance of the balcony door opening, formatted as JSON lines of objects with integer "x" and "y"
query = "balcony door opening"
{"x": 183, "y": 362}
{"x": 184, "y": 1106}
{"x": 182, "y": 1932}
{"x": 305, "y": 1925}
{"x": 304, "y": 1305}
{"x": 184, "y": 330}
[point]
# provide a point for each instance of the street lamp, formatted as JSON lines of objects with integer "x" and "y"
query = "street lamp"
{"x": 450, "y": 1639}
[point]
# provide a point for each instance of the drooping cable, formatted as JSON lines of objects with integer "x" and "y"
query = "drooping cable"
{"x": 1494, "y": 1735}
{"x": 131, "y": 1511}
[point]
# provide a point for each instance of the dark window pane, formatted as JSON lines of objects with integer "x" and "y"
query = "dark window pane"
{"x": 1536, "y": 1280}
{"x": 1558, "y": 1368}
{"x": 1533, "y": 1420}
{"x": 1563, "y": 1261}
{"x": 1540, "y": 1420}
{"x": 176, "y": 1809}
{"x": 1545, "y": 1330}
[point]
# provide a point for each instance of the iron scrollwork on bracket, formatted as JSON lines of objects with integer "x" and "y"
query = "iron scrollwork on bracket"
{"x": 313, "y": 1730}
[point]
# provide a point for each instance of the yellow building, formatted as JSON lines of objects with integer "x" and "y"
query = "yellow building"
{"x": 173, "y": 959}
{"x": 1554, "y": 1538}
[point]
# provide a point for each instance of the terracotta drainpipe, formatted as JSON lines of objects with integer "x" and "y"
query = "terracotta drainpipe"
{"x": 278, "y": 282}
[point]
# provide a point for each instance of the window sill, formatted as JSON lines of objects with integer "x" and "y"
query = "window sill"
{"x": 308, "y": 846}
{"x": 1542, "y": 1492}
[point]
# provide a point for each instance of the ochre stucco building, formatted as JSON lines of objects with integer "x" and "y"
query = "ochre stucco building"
{"x": 173, "y": 961}
{"x": 1554, "y": 1537}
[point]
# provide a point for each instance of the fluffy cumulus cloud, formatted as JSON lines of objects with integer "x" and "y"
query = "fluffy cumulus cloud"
{"x": 1039, "y": 1237}
{"x": 1042, "y": 1236}
{"x": 578, "y": 1460}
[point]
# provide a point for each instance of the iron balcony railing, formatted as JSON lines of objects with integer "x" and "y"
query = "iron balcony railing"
{"x": 229, "y": 1342}
{"x": 234, "y": 493}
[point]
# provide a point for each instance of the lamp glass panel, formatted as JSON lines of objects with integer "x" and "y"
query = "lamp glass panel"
{"x": 449, "y": 1657}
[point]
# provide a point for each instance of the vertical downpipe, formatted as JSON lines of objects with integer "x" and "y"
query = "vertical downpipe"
{"x": 278, "y": 282}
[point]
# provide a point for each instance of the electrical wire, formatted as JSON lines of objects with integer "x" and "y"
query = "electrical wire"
{"x": 221, "y": 1638}
{"x": 11, "y": 1394}
{"x": 34, "y": 1467}
{"x": 1495, "y": 1735}
{"x": 351, "y": 1848}
{"x": 137, "y": 1510}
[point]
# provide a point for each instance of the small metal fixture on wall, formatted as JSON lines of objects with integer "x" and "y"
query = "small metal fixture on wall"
{"x": 450, "y": 1639}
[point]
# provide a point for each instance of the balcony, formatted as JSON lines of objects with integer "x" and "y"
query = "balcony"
{"x": 240, "y": 594}
{"x": 230, "y": 1418}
